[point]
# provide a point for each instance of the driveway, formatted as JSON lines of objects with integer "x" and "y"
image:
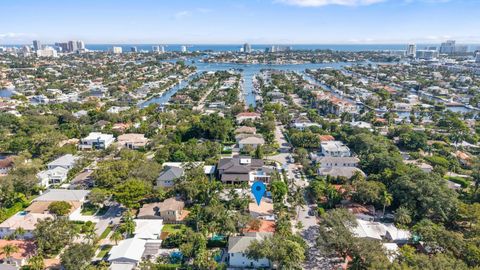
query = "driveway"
{"x": 112, "y": 216}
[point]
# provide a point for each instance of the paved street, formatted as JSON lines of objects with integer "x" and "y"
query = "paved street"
{"x": 309, "y": 231}
{"x": 112, "y": 216}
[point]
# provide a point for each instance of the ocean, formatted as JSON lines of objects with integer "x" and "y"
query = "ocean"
{"x": 261, "y": 47}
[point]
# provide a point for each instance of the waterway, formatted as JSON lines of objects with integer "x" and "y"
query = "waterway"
{"x": 6, "y": 93}
{"x": 248, "y": 71}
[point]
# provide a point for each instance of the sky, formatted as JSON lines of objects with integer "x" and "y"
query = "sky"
{"x": 239, "y": 21}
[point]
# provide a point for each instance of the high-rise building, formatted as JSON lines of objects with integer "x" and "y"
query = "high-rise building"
{"x": 427, "y": 54}
{"x": 80, "y": 45}
{"x": 247, "y": 48}
{"x": 183, "y": 48}
{"x": 133, "y": 49}
{"x": 47, "y": 52}
{"x": 156, "y": 49}
{"x": 448, "y": 47}
{"x": 411, "y": 50}
{"x": 461, "y": 49}
{"x": 63, "y": 46}
{"x": 72, "y": 46}
{"x": 477, "y": 58}
{"x": 162, "y": 49}
{"x": 116, "y": 49}
{"x": 37, "y": 45}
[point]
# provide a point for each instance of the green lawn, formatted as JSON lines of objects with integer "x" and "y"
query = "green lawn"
{"x": 172, "y": 228}
{"x": 106, "y": 232}
{"x": 104, "y": 251}
{"x": 89, "y": 209}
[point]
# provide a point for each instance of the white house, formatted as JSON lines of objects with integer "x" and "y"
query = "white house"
{"x": 96, "y": 140}
{"x": 148, "y": 229}
{"x": 247, "y": 116}
{"x": 237, "y": 246}
{"x": 335, "y": 149}
{"x": 330, "y": 161}
{"x": 53, "y": 176}
{"x": 127, "y": 254}
{"x": 66, "y": 161}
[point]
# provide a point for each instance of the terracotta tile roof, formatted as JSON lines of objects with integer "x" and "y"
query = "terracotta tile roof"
{"x": 25, "y": 248}
{"x": 265, "y": 226}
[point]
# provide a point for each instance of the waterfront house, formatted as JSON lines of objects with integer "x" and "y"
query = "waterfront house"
{"x": 247, "y": 116}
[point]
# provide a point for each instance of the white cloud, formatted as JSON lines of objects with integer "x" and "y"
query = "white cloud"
{"x": 319, "y": 3}
{"x": 13, "y": 35}
{"x": 187, "y": 13}
{"x": 182, "y": 14}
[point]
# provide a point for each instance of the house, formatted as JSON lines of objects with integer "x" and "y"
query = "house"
{"x": 132, "y": 140}
{"x": 264, "y": 210}
{"x": 334, "y": 149}
{"x": 127, "y": 254}
{"x": 361, "y": 124}
{"x": 245, "y": 130}
{"x": 304, "y": 126}
{"x": 324, "y": 138}
{"x": 238, "y": 245}
{"x": 263, "y": 226}
{"x": 252, "y": 141}
{"x": 76, "y": 198}
{"x": 121, "y": 127}
{"x": 242, "y": 169}
{"x": 422, "y": 165}
{"x": 380, "y": 231}
{"x": 54, "y": 176}
{"x": 6, "y": 164}
{"x": 26, "y": 249}
{"x": 96, "y": 140}
{"x": 63, "y": 195}
{"x": 117, "y": 109}
{"x": 170, "y": 211}
{"x": 26, "y": 221}
{"x": 66, "y": 161}
{"x": 346, "y": 172}
{"x": 302, "y": 122}
{"x": 174, "y": 170}
{"x": 169, "y": 175}
{"x": 38, "y": 207}
{"x": 247, "y": 116}
{"x": 148, "y": 229}
{"x": 330, "y": 161}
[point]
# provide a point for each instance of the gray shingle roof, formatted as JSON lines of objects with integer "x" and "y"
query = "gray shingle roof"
{"x": 171, "y": 173}
{"x": 63, "y": 195}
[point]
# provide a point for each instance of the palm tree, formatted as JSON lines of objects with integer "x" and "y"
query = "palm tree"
{"x": 128, "y": 225}
{"x": 19, "y": 232}
{"x": 116, "y": 236}
{"x": 36, "y": 262}
{"x": 91, "y": 235}
{"x": 386, "y": 199}
{"x": 8, "y": 251}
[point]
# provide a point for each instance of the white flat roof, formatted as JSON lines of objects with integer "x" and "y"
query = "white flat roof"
{"x": 131, "y": 248}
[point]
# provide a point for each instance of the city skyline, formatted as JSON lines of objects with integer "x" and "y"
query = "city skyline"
{"x": 252, "y": 21}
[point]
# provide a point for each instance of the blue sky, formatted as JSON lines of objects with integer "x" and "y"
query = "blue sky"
{"x": 238, "y": 21}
